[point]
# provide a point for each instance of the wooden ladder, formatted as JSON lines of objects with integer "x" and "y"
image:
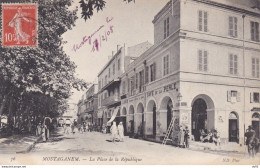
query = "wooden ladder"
{"x": 166, "y": 138}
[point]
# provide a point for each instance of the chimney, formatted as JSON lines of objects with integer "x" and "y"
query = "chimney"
{"x": 109, "y": 57}
{"x": 112, "y": 53}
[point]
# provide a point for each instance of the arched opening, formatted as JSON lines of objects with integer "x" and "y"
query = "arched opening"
{"x": 123, "y": 112}
{"x": 255, "y": 124}
{"x": 202, "y": 116}
{"x": 152, "y": 108}
{"x": 167, "y": 104}
{"x": 140, "y": 126}
{"x": 131, "y": 121}
{"x": 233, "y": 127}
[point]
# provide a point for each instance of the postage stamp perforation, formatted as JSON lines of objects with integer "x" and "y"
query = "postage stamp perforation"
{"x": 35, "y": 40}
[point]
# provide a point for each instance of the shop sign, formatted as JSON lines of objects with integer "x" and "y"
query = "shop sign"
{"x": 185, "y": 118}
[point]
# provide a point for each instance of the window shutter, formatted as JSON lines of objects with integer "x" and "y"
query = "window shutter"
{"x": 200, "y": 21}
{"x": 230, "y": 26}
{"x": 164, "y": 29}
{"x": 238, "y": 97}
{"x": 205, "y": 21}
{"x": 154, "y": 67}
{"x": 257, "y": 68}
{"x": 257, "y": 31}
{"x": 168, "y": 26}
{"x": 205, "y": 61}
{"x": 200, "y": 60}
{"x": 235, "y": 26}
{"x": 146, "y": 74}
{"x": 251, "y": 97}
{"x": 252, "y": 30}
{"x": 229, "y": 96}
{"x": 235, "y": 64}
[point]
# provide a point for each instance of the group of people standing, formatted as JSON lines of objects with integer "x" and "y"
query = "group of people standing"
{"x": 43, "y": 130}
{"x": 117, "y": 131}
{"x": 183, "y": 137}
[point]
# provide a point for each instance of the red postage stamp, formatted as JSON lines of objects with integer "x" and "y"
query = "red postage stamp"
{"x": 19, "y": 25}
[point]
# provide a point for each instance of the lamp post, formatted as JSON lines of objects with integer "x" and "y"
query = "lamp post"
{"x": 179, "y": 97}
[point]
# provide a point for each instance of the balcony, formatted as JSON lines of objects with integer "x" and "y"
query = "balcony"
{"x": 110, "y": 100}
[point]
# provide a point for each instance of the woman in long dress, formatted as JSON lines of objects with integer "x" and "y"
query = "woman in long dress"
{"x": 114, "y": 131}
{"x": 121, "y": 131}
{"x": 16, "y": 22}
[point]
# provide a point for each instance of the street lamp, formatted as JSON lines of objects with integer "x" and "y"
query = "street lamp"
{"x": 179, "y": 97}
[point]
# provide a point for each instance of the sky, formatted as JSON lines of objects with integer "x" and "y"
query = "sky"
{"x": 131, "y": 24}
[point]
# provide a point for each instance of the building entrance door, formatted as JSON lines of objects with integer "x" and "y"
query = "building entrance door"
{"x": 154, "y": 120}
{"x": 255, "y": 124}
{"x": 199, "y": 118}
{"x": 233, "y": 127}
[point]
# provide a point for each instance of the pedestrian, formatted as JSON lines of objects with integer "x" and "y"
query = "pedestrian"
{"x": 104, "y": 129}
{"x": 72, "y": 128}
{"x": 181, "y": 137}
{"x": 216, "y": 137}
{"x": 44, "y": 133}
{"x": 186, "y": 137}
{"x": 29, "y": 126}
{"x": 121, "y": 131}
{"x": 84, "y": 126}
{"x": 250, "y": 141}
{"x": 114, "y": 131}
{"x": 39, "y": 129}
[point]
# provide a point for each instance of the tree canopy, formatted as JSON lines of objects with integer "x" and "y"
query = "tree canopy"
{"x": 38, "y": 80}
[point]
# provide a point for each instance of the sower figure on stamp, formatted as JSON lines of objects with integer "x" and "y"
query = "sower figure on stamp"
{"x": 16, "y": 22}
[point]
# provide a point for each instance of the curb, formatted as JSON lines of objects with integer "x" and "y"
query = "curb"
{"x": 30, "y": 147}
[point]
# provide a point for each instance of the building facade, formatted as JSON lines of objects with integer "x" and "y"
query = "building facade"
{"x": 203, "y": 71}
{"x": 88, "y": 106}
{"x": 109, "y": 79}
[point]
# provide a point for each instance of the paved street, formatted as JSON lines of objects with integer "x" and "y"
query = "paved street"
{"x": 97, "y": 148}
{"x": 95, "y": 145}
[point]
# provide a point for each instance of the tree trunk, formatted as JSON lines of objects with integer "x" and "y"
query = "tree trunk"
{"x": 3, "y": 105}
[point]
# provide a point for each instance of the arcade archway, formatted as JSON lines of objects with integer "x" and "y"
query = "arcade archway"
{"x": 202, "y": 116}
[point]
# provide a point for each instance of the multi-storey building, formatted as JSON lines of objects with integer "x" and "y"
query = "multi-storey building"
{"x": 203, "y": 70}
{"x": 109, "y": 79}
{"x": 88, "y": 104}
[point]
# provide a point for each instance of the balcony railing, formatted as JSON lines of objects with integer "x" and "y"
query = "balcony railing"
{"x": 110, "y": 100}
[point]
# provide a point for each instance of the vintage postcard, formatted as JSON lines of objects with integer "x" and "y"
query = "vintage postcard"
{"x": 129, "y": 82}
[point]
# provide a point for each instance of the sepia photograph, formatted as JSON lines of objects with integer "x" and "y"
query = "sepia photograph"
{"x": 129, "y": 82}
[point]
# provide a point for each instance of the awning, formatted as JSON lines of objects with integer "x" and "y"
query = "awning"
{"x": 115, "y": 111}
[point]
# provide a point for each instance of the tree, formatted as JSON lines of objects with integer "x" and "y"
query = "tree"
{"x": 42, "y": 77}
{"x": 88, "y": 6}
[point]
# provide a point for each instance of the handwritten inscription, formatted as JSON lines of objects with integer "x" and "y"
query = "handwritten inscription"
{"x": 96, "y": 44}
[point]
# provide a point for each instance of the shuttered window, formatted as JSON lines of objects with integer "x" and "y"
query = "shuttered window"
{"x": 255, "y": 31}
{"x": 255, "y": 67}
{"x": 153, "y": 72}
{"x": 203, "y": 21}
{"x": 232, "y": 26}
{"x": 146, "y": 74}
{"x": 166, "y": 65}
{"x": 202, "y": 60}
{"x": 166, "y": 27}
{"x": 233, "y": 64}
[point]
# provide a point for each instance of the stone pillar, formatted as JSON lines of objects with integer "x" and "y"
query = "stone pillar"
{"x": 128, "y": 125}
{"x": 148, "y": 126}
{"x": 161, "y": 127}
{"x": 138, "y": 121}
